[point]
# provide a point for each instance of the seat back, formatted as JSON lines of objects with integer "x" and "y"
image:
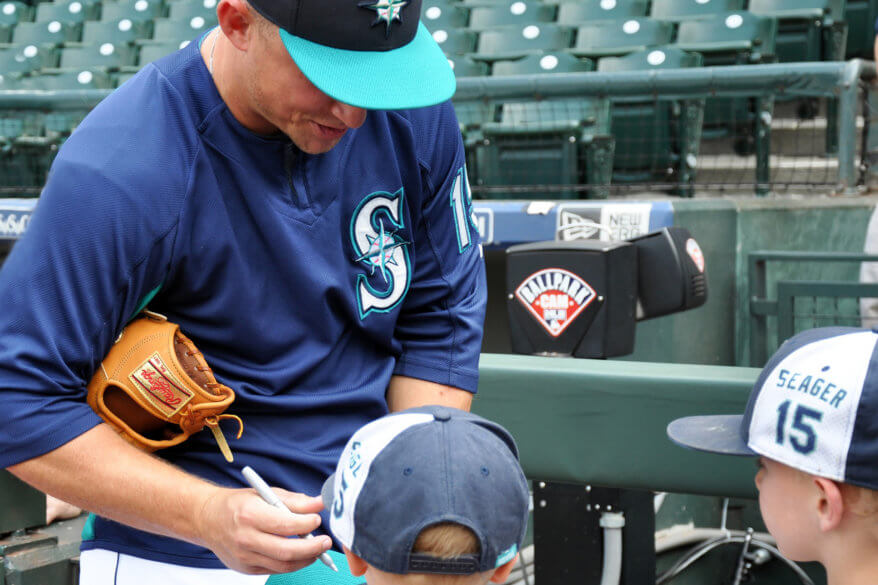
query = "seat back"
{"x": 138, "y": 10}
{"x": 66, "y": 12}
{"x": 752, "y": 38}
{"x": 466, "y": 67}
{"x": 543, "y": 63}
{"x": 187, "y": 10}
{"x": 686, "y": 9}
{"x": 442, "y": 14}
{"x": 620, "y": 37}
{"x": 52, "y": 33}
{"x": 102, "y": 56}
{"x": 656, "y": 58}
{"x": 588, "y": 11}
{"x": 123, "y": 30}
{"x": 515, "y": 42}
{"x": 832, "y": 9}
{"x": 167, "y": 29}
{"x": 455, "y": 41}
{"x": 518, "y": 13}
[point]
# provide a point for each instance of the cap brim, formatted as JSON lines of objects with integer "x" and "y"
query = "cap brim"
{"x": 413, "y": 76}
{"x": 328, "y": 491}
{"x": 714, "y": 434}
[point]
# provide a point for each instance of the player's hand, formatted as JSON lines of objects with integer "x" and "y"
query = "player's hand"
{"x": 250, "y": 536}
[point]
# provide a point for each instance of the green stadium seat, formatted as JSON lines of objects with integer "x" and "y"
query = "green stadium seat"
{"x": 734, "y": 39}
{"x": 53, "y": 33}
{"x": 206, "y": 9}
{"x": 468, "y": 4}
{"x": 24, "y": 59}
{"x": 621, "y": 37}
{"x": 24, "y": 156}
{"x": 123, "y": 30}
{"x": 860, "y": 16}
{"x": 85, "y": 79}
{"x": 104, "y": 57}
{"x": 455, "y": 41}
{"x": 466, "y": 67}
{"x": 152, "y": 51}
{"x": 589, "y": 11}
{"x": 655, "y": 140}
{"x": 515, "y": 42}
{"x": 686, "y": 9}
{"x": 10, "y": 129}
{"x": 136, "y": 10}
{"x": 67, "y": 12}
{"x": 59, "y": 124}
{"x": 442, "y": 15}
{"x": 518, "y": 13}
{"x": 806, "y": 28}
{"x": 471, "y": 116}
{"x": 123, "y": 77}
{"x": 551, "y": 142}
{"x": 11, "y": 13}
{"x": 166, "y": 29}
{"x": 731, "y": 38}
{"x": 542, "y": 63}
{"x": 10, "y": 81}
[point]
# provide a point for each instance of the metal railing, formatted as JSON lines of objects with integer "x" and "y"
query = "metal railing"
{"x": 840, "y": 85}
{"x": 784, "y": 306}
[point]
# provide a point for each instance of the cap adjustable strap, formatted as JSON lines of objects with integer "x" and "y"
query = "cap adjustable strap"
{"x": 462, "y": 565}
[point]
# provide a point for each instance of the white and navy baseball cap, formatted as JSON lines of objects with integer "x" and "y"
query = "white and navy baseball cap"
{"x": 410, "y": 470}
{"x": 814, "y": 407}
{"x": 373, "y": 54}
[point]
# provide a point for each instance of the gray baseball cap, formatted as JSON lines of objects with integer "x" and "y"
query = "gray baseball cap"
{"x": 410, "y": 470}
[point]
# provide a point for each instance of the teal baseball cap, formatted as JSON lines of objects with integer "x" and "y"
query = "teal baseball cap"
{"x": 373, "y": 54}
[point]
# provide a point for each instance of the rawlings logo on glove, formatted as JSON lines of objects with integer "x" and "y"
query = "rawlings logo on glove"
{"x": 156, "y": 390}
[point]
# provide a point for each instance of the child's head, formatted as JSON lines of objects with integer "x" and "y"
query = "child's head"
{"x": 812, "y": 419}
{"x": 427, "y": 495}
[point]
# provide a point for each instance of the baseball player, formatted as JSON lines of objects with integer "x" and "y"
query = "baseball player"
{"x": 811, "y": 422}
{"x": 290, "y": 190}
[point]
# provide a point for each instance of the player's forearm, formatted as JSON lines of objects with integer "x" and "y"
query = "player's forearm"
{"x": 404, "y": 392}
{"x": 102, "y": 473}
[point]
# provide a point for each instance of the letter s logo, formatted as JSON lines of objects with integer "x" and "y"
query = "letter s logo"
{"x": 377, "y": 243}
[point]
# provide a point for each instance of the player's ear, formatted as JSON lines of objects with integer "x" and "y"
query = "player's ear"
{"x": 501, "y": 573}
{"x": 235, "y": 20}
{"x": 830, "y": 503}
{"x": 357, "y": 565}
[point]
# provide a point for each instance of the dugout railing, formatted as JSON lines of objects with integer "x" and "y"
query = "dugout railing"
{"x": 744, "y": 128}
{"x": 750, "y": 128}
{"x": 781, "y": 307}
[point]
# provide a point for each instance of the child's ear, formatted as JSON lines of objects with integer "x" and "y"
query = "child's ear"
{"x": 830, "y": 503}
{"x": 357, "y": 565}
{"x": 501, "y": 573}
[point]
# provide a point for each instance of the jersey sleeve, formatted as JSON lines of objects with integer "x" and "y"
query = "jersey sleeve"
{"x": 98, "y": 240}
{"x": 442, "y": 318}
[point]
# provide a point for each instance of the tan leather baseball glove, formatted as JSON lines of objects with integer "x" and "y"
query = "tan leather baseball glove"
{"x": 155, "y": 388}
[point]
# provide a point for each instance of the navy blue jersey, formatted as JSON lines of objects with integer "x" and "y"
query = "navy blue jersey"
{"x": 306, "y": 280}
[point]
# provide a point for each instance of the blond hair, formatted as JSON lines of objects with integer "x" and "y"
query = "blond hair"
{"x": 862, "y": 501}
{"x": 446, "y": 540}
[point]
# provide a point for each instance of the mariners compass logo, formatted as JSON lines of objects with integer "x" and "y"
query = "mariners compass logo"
{"x": 555, "y": 297}
{"x": 379, "y": 245}
{"x": 386, "y": 11}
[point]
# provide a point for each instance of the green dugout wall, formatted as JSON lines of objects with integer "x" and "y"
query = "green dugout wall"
{"x": 727, "y": 230}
